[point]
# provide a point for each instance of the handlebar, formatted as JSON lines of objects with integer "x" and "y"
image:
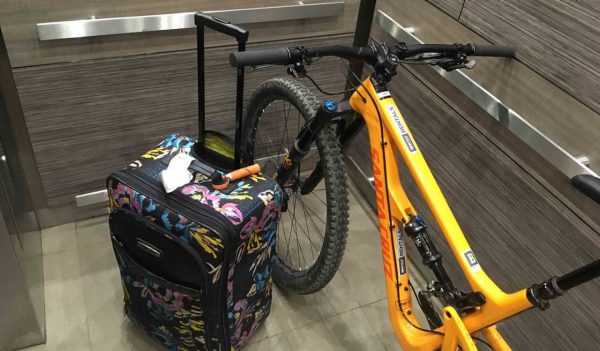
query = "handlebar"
{"x": 286, "y": 56}
{"x": 279, "y": 56}
{"x": 494, "y": 51}
{"x": 449, "y": 50}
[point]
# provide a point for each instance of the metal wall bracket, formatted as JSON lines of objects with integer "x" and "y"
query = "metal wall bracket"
{"x": 95, "y": 197}
{"x": 93, "y": 27}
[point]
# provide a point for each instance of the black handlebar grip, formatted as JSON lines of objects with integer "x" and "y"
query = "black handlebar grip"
{"x": 494, "y": 50}
{"x": 587, "y": 184}
{"x": 279, "y": 56}
{"x": 221, "y": 25}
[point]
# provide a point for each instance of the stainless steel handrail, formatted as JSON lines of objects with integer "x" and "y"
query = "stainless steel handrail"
{"x": 546, "y": 147}
{"x": 94, "y": 27}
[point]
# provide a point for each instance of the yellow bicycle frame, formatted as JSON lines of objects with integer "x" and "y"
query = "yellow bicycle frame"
{"x": 388, "y": 135}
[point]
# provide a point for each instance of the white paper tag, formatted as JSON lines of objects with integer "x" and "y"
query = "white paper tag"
{"x": 177, "y": 173}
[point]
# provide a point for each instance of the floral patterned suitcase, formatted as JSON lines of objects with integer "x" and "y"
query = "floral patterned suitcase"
{"x": 195, "y": 263}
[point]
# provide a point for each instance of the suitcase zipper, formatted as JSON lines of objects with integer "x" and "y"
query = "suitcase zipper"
{"x": 191, "y": 212}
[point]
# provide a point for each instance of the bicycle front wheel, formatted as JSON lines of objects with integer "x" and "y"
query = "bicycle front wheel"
{"x": 313, "y": 227}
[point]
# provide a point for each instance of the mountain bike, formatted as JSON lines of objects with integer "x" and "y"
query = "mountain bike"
{"x": 299, "y": 140}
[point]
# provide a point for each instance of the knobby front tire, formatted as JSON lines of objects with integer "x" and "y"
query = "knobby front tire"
{"x": 312, "y": 233}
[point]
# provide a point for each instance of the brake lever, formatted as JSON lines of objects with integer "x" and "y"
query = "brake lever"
{"x": 451, "y": 66}
{"x": 259, "y": 67}
{"x": 297, "y": 70}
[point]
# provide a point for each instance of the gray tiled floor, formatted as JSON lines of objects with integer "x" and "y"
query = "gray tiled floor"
{"x": 84, "y": 302}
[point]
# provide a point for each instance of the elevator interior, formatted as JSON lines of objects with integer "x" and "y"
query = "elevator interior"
{"x": 22, "y": 320}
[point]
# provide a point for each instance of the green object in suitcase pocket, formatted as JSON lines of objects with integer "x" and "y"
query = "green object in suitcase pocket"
{"x": 218, "y": 143}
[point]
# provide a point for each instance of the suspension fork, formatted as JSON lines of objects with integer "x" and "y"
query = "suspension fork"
{"x": 346, "y": 135}
{"x": 302, "y": 144}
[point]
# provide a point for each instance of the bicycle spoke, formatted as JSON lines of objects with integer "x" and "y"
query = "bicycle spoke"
{"x": 285, "y": 133}
{"x": 307, "y": 232}
{"x": 313, "y": 213}
{"x": 300, "y": 251}
{"x": 293, "y": 230}
{"x": 306, "y": 210}
{"x": 323, "y": 202}
{"x": 293, "y": 220}
{"x": 284, "y": 235}
{"x": 310, "y": 242}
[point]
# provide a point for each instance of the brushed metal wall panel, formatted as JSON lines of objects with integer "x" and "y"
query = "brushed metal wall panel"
{"x": 557, "y": 39}
{"x": 87, "y": 119}
{"x": 184, "y": 20}
{"x": 517, "y": 228}
{"x": 19, "y": 19}
{"x": 452, "y": 7}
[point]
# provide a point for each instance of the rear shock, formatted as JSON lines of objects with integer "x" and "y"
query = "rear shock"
{"x": 442, "y": 287}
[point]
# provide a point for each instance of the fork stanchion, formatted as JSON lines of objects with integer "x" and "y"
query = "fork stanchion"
{"x": 304, "y": 140}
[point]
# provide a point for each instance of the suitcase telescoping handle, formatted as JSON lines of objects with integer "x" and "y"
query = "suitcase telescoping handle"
{"x": 221, "y": 25}
{"x": 241, "y": 35}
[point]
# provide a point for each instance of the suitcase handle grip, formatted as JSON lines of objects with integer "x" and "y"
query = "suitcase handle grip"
{"x": 221, "y": 25}
{"x": 221, "y": 182}
{"x": 243, "y": 172}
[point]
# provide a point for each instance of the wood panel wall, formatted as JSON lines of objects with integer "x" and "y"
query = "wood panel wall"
{"x": 516, "y": 227}
{"x": 451, "y": 7}
{"x": 515, "y": 224}
{"x": 556, "y": 113}
{"x": 559, "y": 40}
{"x": 19, "y": 18}
{"x": 87, "y": 119}
{"x": 92, "y": 105}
